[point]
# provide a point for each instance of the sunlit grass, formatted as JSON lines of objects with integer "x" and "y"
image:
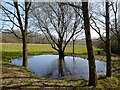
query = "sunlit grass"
{"x": 14, "y": 50}
{"x": 33, "y": 48}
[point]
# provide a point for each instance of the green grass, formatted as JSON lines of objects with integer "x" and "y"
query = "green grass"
{"x": 14, "y": 50}
{"x": 31, "y": 47}
{"x": 39, "y": 48}
{"x": 15, "y": 76}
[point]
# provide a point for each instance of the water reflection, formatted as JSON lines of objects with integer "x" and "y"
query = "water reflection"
{"x": 49, "y": 66}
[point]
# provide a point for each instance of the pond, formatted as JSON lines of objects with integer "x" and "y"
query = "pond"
{"x": 49, "y": 66}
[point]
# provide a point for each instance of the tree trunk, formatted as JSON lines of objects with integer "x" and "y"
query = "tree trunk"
{"x": 108, "y": 45}
{"x": 61, "y": 51}
{"x": 61, "y": 54}
{"x": 119, "y": 44}
{"x": 108, "y": 58}
{"x": 25, "y": 52}
{"x": 60, "y": 64}
{"x": 73, "y": 46}
{"x": 118, "y": 48}
{"x": 91, "y": 60}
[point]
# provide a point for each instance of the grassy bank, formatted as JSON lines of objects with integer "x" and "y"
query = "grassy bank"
{"x": 15, "y": 76}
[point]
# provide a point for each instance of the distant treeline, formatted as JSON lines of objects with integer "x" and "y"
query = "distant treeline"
{"x": 11, "y": 38}
{"x": 34, "y": 38}
{"x": 40, "y": 39}
{"x": 115, "y": 47}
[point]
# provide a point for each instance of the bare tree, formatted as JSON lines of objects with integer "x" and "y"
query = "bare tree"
{"x": 57, "y": 21}
{"x": 115, "y": 23}
{"x": 92, "y": 67}
{"x": 108, "y": 44}
{"x": 75, "y": 38}
{"x": 18, "y": 17}
{"x": 106, "y": 25}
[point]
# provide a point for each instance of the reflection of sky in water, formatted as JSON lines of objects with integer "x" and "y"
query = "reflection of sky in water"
{"x": 49, "y": 66}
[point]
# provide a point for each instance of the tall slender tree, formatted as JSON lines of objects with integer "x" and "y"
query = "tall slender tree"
{"x": 115, "y": 26}
{"x": 107, "y": 41}
{"x": 108, "y": 44}
{"x": 19, "y": 19}
{"x": 91, "y": 60}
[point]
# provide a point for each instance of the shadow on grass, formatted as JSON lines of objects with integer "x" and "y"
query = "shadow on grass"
{"x": 26, "y": 79}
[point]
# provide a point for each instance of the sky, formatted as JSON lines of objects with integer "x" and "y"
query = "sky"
{"x": 94, "y": 34}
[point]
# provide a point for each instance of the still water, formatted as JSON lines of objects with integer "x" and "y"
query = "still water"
{"x": 49, "y": 66}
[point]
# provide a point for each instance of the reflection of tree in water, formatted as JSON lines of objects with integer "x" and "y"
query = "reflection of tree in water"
{"x": 58, "y": 70}
{"x": 63, "y": 69}
{"x": 73, "y": 64}
{"x": 50, "y": 72}
{"x": 66, "y": 70}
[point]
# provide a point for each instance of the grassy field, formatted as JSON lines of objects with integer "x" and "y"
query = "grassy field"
{"x": 16, "y": 77}
{"x": 38, "y": 48}
{"x": 13, "y": 50}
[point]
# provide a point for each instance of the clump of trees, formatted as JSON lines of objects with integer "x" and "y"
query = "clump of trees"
{"x": 10, "y": 38}
{"x": 114, "y": 44}
{"x": 33, "y": 38}
{"x": 114, "y": 30}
